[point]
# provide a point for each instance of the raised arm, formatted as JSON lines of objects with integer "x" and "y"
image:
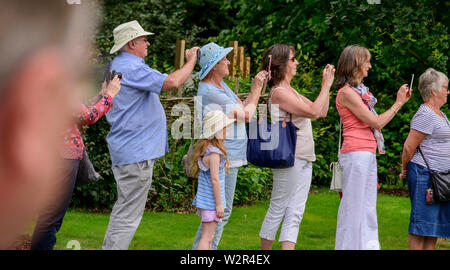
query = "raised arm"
{"x": 352, "y": 101}
{"x": 288, "y": 101}
{"x": 178, "y": 77}
{"x": 244, "y": 113}
{"x": 91, "y": 114}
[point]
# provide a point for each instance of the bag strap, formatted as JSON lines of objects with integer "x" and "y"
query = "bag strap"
{"x": 332, "y": 164}
{"x": 430, "y": 183}
{"x": 267, "y": 104}
{"x": 340, "y": 135}
{"x": 426, "y": 163}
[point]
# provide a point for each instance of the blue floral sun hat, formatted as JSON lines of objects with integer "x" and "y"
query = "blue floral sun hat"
{"x": 210, "y": 54}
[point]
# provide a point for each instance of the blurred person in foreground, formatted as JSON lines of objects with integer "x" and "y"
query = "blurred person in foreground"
{"x": 52, "y": 215}
{"x": 138, "y": 134}
{"x": 430, "y": 129}
{"x": 41, "y": 70}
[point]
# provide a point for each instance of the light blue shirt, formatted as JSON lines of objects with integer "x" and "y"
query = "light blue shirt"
{"x": 215, "y": 98}
{"x": 138, "y": 122}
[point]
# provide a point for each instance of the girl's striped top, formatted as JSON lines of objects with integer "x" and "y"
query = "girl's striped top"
{"x": 205, "y": 197}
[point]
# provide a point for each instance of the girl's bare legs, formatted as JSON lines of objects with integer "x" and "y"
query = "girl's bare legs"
{"x": 208, "y": 231}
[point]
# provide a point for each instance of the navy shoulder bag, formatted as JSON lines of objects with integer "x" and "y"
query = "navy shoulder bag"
{"x": 271, "y": 145}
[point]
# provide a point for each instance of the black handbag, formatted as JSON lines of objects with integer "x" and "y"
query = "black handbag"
{"x": 439, "y": 182}
{"x": 86, "y": 172}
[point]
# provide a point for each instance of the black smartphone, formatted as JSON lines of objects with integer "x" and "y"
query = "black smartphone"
{"x": 114, "y": 73}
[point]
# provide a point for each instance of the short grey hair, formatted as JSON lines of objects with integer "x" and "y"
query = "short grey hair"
{"x": 431, "y": 80}
{"x": 124, "y": 48}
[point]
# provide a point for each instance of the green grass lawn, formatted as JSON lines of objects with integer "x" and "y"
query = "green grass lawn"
{"x": 173, "y": 231}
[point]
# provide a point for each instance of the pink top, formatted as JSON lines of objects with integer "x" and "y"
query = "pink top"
{"x": 358, "y": 136}
{"x": 73, "y": 143}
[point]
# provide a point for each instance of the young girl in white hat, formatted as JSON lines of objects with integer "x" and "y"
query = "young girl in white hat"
{"x": 211, "y": 165}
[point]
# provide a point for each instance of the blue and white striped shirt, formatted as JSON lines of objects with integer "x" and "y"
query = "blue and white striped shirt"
{"x": 436, "y": 146}
{"x": 205, "y": 196}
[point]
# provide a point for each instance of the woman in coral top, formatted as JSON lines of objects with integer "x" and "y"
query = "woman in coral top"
{"x": 51, "y": 216}
{"x": 357, "y": 217}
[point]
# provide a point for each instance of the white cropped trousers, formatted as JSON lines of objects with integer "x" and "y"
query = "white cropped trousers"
{"x": 287, "y": 203}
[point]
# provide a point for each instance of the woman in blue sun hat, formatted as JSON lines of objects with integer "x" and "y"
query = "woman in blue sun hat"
{"x": 214, "y": 94}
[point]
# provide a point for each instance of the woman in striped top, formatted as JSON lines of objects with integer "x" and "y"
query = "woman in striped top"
{"x": 212, "y": 162}
{"x": 430, "y": 129}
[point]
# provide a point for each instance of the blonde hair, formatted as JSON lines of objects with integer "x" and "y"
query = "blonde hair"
{"x": 349, "y": 66}
{"x": 200, "y": 149}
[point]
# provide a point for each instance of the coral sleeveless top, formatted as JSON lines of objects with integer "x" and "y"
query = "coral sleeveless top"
{"x": 358, "y": 136}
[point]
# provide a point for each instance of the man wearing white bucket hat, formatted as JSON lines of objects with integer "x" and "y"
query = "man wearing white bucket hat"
{"x": 138, "y": 134}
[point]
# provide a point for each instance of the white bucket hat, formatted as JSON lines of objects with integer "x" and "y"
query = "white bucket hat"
{"x": 213, "y": 122}
{"x": 126, "y": 32}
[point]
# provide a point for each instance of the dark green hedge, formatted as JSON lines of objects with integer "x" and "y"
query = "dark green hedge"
{"x": 404, "y": 37}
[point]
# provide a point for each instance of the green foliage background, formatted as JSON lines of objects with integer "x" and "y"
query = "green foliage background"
{"x": 404, "y": 37}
